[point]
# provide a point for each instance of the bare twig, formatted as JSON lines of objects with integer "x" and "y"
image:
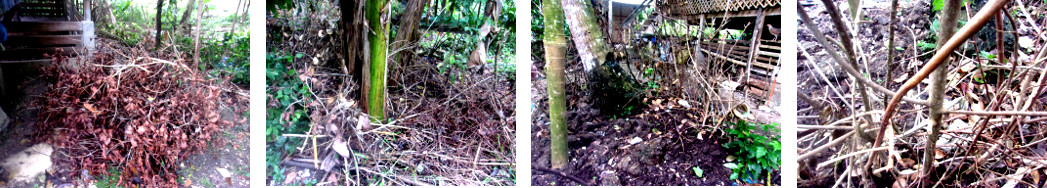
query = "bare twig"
{"x": 561, "y": 174}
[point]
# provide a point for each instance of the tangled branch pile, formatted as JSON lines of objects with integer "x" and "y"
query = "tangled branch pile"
{"x": 130, "y": 112}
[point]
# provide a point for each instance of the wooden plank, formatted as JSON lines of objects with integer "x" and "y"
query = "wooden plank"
{"x": 35, "y": 53}
{"x": 25, "y": 61}
{"x": 23, "y": 27}
{"x": 735, "y": 50}
{"x": 44, "y": 40}
{"x": 771, "y": 11}
{"x": 766, "y": 53}
{"x": 739, "y": 62}
{"x": 778, "y": 48}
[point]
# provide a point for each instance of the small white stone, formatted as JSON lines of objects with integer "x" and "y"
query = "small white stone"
{"x": 635, "y": 140}
{"x": 684, "y": 103}
{"x": 29, "y": 163}
{"x": 1026, "y": 42}
{"x": 225, "y": 173}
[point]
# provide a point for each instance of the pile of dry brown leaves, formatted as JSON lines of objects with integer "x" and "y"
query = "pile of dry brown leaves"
{"x": 128, "y": 111}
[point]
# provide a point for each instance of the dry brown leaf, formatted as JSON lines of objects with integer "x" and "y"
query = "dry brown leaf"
{"x": 363, "y": 123}
{"x": 341, "y": 147}
{"x": 290, "y": 177}
{"x": 91, "y": 108}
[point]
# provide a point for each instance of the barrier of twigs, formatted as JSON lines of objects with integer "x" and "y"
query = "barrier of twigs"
{"x": 139, "y": 115}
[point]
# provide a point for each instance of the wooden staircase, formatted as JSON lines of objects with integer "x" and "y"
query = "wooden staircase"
{"x": 47, "y": 27}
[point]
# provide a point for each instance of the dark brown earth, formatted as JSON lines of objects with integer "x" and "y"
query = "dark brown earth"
{"x": 601, "y": 153}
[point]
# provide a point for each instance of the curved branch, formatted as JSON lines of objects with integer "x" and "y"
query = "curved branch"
{"x": 938, "y": 59}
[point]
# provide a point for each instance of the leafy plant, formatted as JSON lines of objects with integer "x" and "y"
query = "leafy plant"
{"x": 757, "y": 154}
{"x": 937, "y": 5}
{"x": 227, "y": 56}
{"x": 109, "y": 179}
{"x": 698, "y": 171}
{"x": 283, "y": 115}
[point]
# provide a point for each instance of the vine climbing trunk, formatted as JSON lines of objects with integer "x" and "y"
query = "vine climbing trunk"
{"x": 949, "y": 15}
{"x": 377, "y": 39}
{"x": 555, "y": 49}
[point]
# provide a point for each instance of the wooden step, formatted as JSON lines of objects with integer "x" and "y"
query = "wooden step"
{"x": 25, "y": 27}
{"x": 44, "y": 40}
{"x": 22, "y": 54}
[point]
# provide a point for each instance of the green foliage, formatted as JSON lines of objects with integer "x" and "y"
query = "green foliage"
{"x": 926, "y": 45}
{"x": 652, "y": 84}
{"x": 273, "y": 5}
{"x": 930, "y": 42}
{"x": 938, "y": 5}
{"x": 698, "y": 171}
{"x": 223, "y": 53}
{"x": 987, "y": 55}
{"x": 468, "y": 15}
{"x": 757, "y": 154}
{"x": 284, "y": 114}
{"x": 228, "y": 55}
{"x": 110, "y": 179}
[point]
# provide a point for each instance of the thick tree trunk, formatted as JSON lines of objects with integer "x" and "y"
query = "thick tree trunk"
{"x": 407, "y": 34}
{"x": 378, "y": 44}
{"x": 949, "y": 15}
{"x": 555, "y": 45}
{"x": 159, "y": 14}
{"x": 585, "y": 30}
{"x": 614, "y": 92}
{"x": 353, "y": 47}
{"x": 185, "y": 16}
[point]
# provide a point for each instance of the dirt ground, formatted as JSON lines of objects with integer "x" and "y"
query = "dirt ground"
{"x": 230, "y": 152}
{"x": 673, "y": 142}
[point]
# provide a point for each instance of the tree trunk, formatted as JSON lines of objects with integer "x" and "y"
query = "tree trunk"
{"x": 377, "y": 40}
{"x": 555, "y": 45}
{"x": 407, "y": 34}
{"x": 185, "y": 16}
{"x": 196, "y": 39}
{"x": 353, "y": 35}
{"x": 232, "y": 28}
{"x": 949, "y": 15}
{"x": 159, "y": 24}
{"x": 588, "y": 37}
{"x": 614, "y": 93}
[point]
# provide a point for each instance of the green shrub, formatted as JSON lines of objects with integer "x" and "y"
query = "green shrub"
{"x": 284, "y": 91}
{"x": 228, "y": 55}
{"x": 757, "y": 154}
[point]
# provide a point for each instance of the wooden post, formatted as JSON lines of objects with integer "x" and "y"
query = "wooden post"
{"x": 754, "y": 46}
{"x": 88, "y": 35}
{"x": 610, "y": 18}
